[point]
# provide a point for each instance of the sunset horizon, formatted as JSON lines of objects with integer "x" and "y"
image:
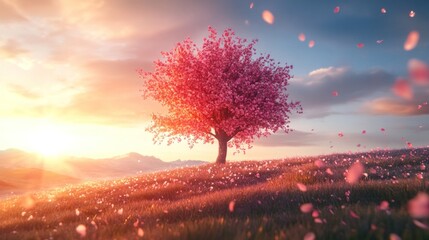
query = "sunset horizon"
{"x": 70, "y": 82}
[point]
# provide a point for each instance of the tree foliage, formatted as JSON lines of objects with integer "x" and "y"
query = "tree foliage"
{"x": 220, "y": 90}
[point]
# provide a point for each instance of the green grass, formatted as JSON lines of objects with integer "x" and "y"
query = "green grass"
{"x": 193, "y": 203}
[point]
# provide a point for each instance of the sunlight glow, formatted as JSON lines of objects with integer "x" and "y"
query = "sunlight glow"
{"x": 49, "y": 140}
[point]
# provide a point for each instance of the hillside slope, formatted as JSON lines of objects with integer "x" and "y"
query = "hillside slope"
{"x": 301, "y": 198}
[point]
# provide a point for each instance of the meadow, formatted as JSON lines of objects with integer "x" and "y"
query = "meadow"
{"x": 296, "y": 198}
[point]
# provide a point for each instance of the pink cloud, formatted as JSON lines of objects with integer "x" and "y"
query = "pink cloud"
{"x": 388, "y": 106}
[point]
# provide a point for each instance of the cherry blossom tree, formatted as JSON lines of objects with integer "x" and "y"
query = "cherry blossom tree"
{"x": 220, "y": 91}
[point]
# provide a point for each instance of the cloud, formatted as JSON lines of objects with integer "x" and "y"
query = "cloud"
{"x": 315, "y": 91}
{"x": 11, "y": 49}
{"x": 23, "y": 91}
{"x": 396, "y": 107}
{"x": 8, "y": 13}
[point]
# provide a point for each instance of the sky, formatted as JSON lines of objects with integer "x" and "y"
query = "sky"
{"x": 69, "y": 80}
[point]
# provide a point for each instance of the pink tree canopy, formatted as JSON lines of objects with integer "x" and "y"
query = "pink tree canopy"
{"x": 219, "y": 91}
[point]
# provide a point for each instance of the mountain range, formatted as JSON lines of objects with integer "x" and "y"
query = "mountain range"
{"x": 22, "y": 171}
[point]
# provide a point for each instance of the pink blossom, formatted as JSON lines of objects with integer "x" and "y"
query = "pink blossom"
{"x": 354, "y": 173}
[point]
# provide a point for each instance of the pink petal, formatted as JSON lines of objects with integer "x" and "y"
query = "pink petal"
{"x": 412, "y": 40}
{"x": 301, "y": 37}
{"x": 251, "y": 5}
{"x": 354, "y": 173}
{"x": 340, "y": 134}
{"x": 81, "y": 230}
{"x": 337, "y": 9}
{"x": 418, "y": 207}
{"x": 231, "y": 206}
{"x": 268, "y": 17}
{"x": 335, "y": 93}
{"x": 419, "y": 71}
{"x": 394, "y": 237}
{"x": 384, "y": 206}
{"x": 383, "y": 10}
{"x": 310, "y": 236}
{"x": 301, "y": 187}
{"x": 306, "y": 207}
{"x": 311, "y": 43}
{"x": 140, "y": 232}
{"x": 412, "y": 14}
{"x": 402, "y": 88}
{"x": 360, "y": 45}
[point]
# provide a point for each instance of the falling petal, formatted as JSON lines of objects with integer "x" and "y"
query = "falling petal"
{"x": 231, "y": 206}
{"x": 354, "y": 215}
{"x": 354, "y": 173}
{"x": 380, "y": 41}
{"x": 384, "y": 206}
{"x": 311, "y": 43}
{"x": 382, "y": 129}
{"x": 77, "y": 212}
{"x": 420, "y": 224}
{"x": 418, "y": 71}
{"x": 251, "y": 5}
{"x": 337, "y": 9}
{"x": 301, "y": 37}
{"x": 301, "y": 187}
{"x": 418, "y": 207}
{"x": 412, "y": 40}
{"x": 393, "y": 236}
{"x": 140, "y": 232}
{"x": 363, "y": 131}
{"x": 360, "y": 45}
{"x": 268, "y": 17}
{"x": 81, "y": 230}
{"x": 120, "y": 211}
{"x": 412, "y": 14}
{"x": 315, "y": 214}
{"x": 334, "y": 93}
{"x": 310, "y": 236}
{"x": 306, "y": 207}
{"x": 329, "y": 171}
{"x": 319, "y": 163}
{"x": 340, "y": 134}
{"x": 383, "y": 10}
{"x": 409, "y": 145}
{"x": 402, "y": 88}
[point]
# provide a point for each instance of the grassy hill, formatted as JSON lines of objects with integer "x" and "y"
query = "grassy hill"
{"x": 301, "y": 198}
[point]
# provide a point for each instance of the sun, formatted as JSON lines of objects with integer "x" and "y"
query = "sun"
{"x": 49, "y": 140}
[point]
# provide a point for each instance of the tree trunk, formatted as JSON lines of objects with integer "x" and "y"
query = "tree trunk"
{"x": 223, "y": 147}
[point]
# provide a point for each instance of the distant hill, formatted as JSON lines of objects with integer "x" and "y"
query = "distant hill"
{"x": 22, "y": 170}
